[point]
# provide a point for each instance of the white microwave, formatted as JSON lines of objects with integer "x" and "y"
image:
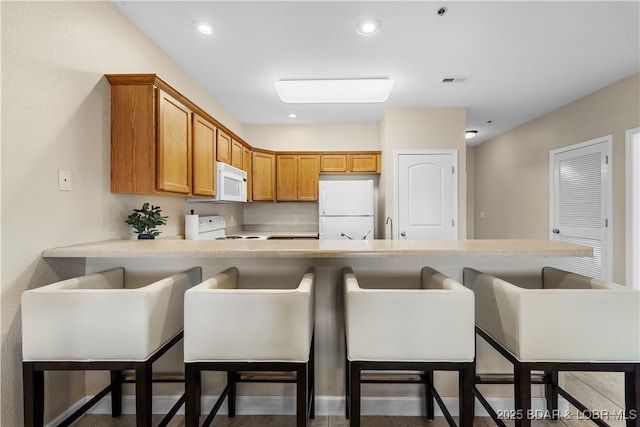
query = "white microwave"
{"x": 231, "y": 185}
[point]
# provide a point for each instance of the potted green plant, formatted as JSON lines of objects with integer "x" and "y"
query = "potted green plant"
{"x": 145, "y": 221}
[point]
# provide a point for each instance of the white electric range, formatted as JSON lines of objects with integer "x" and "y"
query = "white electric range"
{"x": 213, "y": 228}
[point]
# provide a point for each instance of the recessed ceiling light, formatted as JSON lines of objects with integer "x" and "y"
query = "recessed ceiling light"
{"x": 368, "y": 27}
{"x": 205, "y": 29}
{"x": 470, "y": 134}
{"x": 292, "y": 116}
{"x": 336, "y": 91}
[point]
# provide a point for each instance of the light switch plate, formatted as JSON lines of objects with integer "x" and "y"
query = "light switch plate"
{"x": 64, "y": 180}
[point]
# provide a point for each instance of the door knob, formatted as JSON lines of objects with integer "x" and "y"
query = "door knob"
{"x": 555, "y": 231}
{"x": 403, "y": 234}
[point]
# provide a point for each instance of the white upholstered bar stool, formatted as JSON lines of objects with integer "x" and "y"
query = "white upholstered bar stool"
{"x": 426, "y": 330}
{"x": 93, "y": 323}
{"x": 569, "y": 322}
{"x": 236, "y": 330}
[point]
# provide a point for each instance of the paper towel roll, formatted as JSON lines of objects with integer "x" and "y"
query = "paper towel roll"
{"x": 191, "y": 227}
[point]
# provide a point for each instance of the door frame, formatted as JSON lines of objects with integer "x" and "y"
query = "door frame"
{"x": 632, "y": 186}
{"x": 608, "y": 200}
{"x": 396, "y": 200}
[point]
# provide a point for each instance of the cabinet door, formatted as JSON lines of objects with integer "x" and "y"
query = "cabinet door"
{"x": 264, "y": 176}
{"x": 246, "y": 166}
{"x": 204, "y": 159}
{"x": 364, "y": 163}
{"x": 308, "y": 176}
{"x": 174, "y": 145}
{"x": 223, "y": 153}
{"x": 236, "y": 153}
{"x": 333, "y": 163}
{"x": 287, "y": 174}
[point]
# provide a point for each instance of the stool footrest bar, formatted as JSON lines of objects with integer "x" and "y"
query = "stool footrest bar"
{"x": 507, "y": 379}
{"x": 487, "y": 406}
{"x": 216, "y": 407}
{"x": 84, "y": 408}
{"x": 445, "y": 411}
{"x": 575, "y": 402}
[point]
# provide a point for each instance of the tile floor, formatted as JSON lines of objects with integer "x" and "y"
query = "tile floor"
{"x": 598, "y": 391}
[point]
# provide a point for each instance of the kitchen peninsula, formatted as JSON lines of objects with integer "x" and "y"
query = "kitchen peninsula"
{"x": 277, "y": 262}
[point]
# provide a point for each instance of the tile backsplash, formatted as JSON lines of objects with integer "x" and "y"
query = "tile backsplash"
{"x": 302, "y": 216}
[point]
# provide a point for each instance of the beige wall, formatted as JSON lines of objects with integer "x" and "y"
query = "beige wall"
{"x": 56, "y": 115}
{"x": 512, "y": 170}
{"x": 471, "y": 189}
{"x": 361, "y": 137}
{"x": 421, "y": 129}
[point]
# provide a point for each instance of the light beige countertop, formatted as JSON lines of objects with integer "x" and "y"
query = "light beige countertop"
{"x": 175, "y": 247}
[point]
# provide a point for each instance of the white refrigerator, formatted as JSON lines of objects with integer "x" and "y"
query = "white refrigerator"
{"x": 346, "y": 209}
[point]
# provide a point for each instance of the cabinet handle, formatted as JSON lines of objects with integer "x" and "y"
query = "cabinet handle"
{"x": 403, "y": 234}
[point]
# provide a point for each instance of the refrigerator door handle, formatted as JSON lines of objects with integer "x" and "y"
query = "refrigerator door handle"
{"x": 323, "y": 199}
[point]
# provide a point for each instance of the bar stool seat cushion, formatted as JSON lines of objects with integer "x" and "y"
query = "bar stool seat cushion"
{"x": 94, "y": 318}
{"x": 571, "y": 318}
{"x": 224, "y": 323}
{"x": 435, "y": 323}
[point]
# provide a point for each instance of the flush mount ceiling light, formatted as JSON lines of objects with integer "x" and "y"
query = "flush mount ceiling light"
{"x": 470, "y": 134}
{"x": 368, "y": 27}
{"x": 335, "y": 91}
{"x": 292, "y": 116}
{"x": 205, "y": 29}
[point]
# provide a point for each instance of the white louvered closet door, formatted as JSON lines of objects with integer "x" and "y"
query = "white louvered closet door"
{"x": 580, "y": 204}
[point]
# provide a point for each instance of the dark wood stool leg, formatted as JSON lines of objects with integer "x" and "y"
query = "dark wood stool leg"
{"x": 116, "y": 393}
{"x": 33, "y": 395}
{"x": 632, "y": 396}
{"x": 231, "y": 397}
{"x": 465, "y": 393}
{"x": 551, "y": 393}
{"x": 522, "y": 392}
{"x": 144, "y": 394}
{"x": 301, "y": 395}
{"x": 192, "y": 395}
{"x": 354, "y": 389}
{"x": 312, "y": 381}
{"x": 347, "y": 384}
{"x": 428, "y": 395}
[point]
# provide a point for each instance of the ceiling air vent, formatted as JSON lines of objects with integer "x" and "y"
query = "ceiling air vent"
{"x": 453, "y": 80}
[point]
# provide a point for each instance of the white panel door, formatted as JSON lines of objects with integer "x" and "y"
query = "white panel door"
{"x": 580, "y": 203}
{"x": 426, "y": 191}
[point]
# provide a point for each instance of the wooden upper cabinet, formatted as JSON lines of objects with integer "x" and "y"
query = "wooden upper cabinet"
{"x": 308, "y": 176}
{"x": 236, "y": 153}
{"x": 223, "y": 153}
{"x": 333, "y": 163}
{"x": 264, "y": 176}
{"x": 246, "y": 166}
{"x": 364, "y": 163}
{"x": 204, "y": 157}
{"x": 350, "y": 162}
{"x": 151, "y": 130}
{"x": 287, "y": 177}
{"x": 297, "y": 177}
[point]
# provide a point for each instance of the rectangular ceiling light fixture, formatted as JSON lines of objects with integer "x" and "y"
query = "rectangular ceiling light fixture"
{"x": 334, "y": 91}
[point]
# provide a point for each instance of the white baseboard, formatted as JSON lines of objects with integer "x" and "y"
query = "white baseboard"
{"x": 325, "y": 406}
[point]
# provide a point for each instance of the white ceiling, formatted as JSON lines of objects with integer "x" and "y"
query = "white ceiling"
{"x": 520, "y": 59}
